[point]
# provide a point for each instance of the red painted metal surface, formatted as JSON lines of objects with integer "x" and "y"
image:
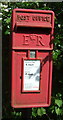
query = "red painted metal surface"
{"x": 32, "y": 30}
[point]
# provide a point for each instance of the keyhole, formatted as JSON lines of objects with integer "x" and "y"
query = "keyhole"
{"x": 20, "y": 77}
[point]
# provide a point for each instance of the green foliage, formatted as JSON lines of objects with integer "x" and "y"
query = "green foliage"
{"x": 38, "y": 112}
{"x": 41, "y": 111}
{"x": 58, "y": 102}
{"x": 34, "y": 112}
{"x": 55, "y": 111}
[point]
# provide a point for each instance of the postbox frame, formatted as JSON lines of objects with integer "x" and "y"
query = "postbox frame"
{"x": 14, "y": 95}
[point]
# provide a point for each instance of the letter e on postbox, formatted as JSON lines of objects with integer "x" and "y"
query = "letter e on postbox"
{"x": 31, "y": 49}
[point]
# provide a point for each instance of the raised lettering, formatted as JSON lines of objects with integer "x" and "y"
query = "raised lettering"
{"x": 34, "y": 38}
{"x": 22, "y": 17}
{"x": 33, "y": 18}
{"x": 39, "y": 40}
{"x": 48, "y": 19}
{"x": 26, "y": 39}
{"x": 41, "y": 18}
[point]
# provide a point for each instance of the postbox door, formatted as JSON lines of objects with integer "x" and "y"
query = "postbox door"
{"x": 37, "y": 96}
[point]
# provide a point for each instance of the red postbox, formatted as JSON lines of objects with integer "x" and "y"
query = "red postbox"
{"x": 32, "y": 35}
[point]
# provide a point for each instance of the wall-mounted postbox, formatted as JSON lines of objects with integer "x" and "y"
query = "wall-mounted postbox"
{"x": 32, "y": 35}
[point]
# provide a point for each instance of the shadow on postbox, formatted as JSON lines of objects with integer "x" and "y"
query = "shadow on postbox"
{"x": 32, "y": 35}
